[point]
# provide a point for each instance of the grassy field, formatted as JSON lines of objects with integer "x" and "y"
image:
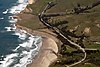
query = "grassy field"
{"x": 30, "y": 21}
{"x": 85, "y": 20}
{"x": 62, "y": 6}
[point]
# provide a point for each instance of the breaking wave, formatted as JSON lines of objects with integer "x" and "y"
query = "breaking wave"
{"x": 28, "y": 46}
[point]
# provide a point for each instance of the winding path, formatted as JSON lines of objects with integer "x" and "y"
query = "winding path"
{"x": 41, "y": 18}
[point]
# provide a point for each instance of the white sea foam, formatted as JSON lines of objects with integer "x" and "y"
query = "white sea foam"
{"x": 29, "y": 48}
{"x": 20, "y": 1}
{"x": 13, "y": 28}
{"x": 5, "y": 12}
{"x": 8, "y": 28}
{"x": 17, "y": 9}
{"x": 1, "y": 18}
{"x": 21, "y": 35}
{"x": 27, "y": 56}
{"x": 7, "y": 61}
{"x": 13, "y": 19}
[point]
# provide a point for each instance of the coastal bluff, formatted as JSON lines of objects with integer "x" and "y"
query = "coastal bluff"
{"x": 31, "y": 1}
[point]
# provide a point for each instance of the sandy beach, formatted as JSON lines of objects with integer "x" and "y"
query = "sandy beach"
{"x": 49, "y": 47}
{"x": 46, "y": 54}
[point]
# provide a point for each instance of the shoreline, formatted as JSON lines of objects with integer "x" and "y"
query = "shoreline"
{"x": 49, "y": 44}
{"x": 45, "y": 55}
{"x": 42, "y": 59}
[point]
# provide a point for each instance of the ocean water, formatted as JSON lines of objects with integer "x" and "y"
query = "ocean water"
{"x": 17, "y": 47}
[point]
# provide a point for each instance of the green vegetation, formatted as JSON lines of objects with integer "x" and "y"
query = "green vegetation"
{"x": 39, "y": 6}
{"x": 91, "y": 20}
{"x": 32, "y": 23}
{"x": 62, "y": 6}
{"x": 95, "y": 46}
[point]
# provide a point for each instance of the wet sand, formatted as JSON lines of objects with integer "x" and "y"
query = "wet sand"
{"x": 49, "y": 47}
{"x": 46, "y": 54}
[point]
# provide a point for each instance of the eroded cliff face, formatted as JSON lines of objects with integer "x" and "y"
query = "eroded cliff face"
{"x": 31, "y": 1}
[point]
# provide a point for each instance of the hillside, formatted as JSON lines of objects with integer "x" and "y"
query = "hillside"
{"x": 82, "y": 28}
